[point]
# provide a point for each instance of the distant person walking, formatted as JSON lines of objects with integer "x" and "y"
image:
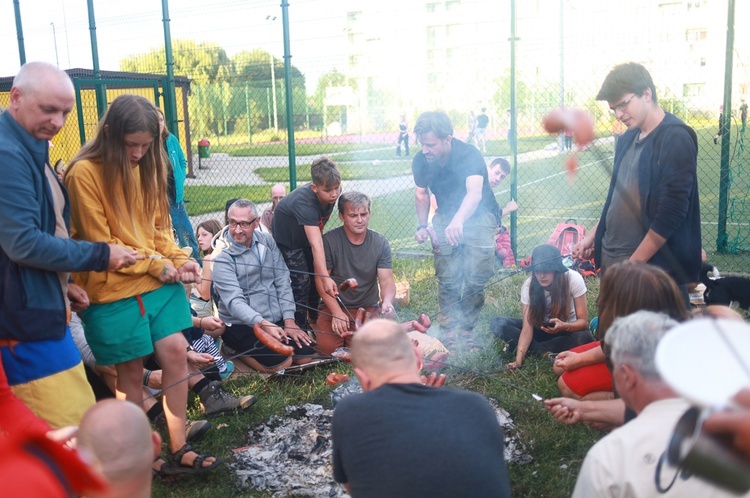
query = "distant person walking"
{"x": 471, "y": 121}
{"x": 481, "y": 130}
{"x": 743, "y": 115}
{"x": 403, "y": 135}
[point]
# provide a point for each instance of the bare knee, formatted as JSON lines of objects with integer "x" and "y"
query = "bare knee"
{"x": 565, "y": 390}
{"x": 256, "y": 365}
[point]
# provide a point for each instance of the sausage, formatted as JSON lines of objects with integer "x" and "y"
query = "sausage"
{"x": 359, "y": 318}
{"x": 349, "y": 283}
{"x": 271, "y": 342}
{"x": 334, "y": 378}
{"x": 424, "y": 320}
{"x": 413, "y": 325}
{"x": 342, "y": 354}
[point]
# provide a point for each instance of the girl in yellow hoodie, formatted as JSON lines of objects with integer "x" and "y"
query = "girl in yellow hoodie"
{"x": 118, "y": 191}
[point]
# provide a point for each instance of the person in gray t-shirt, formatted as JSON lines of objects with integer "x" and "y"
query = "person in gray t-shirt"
{"x": 624, "y": 216}
{"x": 354, "y": 251}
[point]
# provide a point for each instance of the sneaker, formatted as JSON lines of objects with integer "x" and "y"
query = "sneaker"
{"x": 227, "y": 371}
{"x": 215, "y": 400}
{"x": 194, "y": 429}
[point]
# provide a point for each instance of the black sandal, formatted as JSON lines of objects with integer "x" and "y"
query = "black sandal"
{"x": 163, "y": 474}
{"x": 176, "y": 467}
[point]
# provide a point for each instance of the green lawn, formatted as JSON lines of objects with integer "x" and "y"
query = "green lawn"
{"x": 202, "y": 199}
{"x": 557, "y": 450}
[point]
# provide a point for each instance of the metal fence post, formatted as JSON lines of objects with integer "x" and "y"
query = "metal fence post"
{"x": 724, "y": 126}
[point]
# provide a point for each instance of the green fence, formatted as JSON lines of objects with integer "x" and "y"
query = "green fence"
{"x": 358, "y": 66}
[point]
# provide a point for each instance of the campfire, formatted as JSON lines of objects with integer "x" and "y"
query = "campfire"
{"x": 291, "y": 455}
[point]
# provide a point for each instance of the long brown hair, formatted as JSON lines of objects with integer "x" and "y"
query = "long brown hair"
{"x": 130, "y": 114}
{"x": 164, "y": 129}
{"x": 559, "y": 293}
{"x": 630, "y": 287}
{"x": 211, "y": 226}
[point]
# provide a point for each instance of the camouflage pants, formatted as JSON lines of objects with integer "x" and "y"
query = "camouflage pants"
{"x": 463, "y": 271}
{"x": 306, "y": 298}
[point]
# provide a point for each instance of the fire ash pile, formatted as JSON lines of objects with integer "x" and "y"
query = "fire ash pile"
{"x": 290, "y": 455}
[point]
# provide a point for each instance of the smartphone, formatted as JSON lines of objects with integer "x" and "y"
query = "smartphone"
{"x": 548, "y": 324}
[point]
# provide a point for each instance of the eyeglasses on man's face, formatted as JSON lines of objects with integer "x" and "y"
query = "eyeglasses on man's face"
{"x": 622, "y": 105}
{"x": 242, "y": 224}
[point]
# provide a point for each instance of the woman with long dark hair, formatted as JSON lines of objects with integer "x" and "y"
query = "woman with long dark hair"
{"x": 553, "y": 304}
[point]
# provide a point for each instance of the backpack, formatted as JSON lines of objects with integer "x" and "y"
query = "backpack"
{"x": 564, "y": 237}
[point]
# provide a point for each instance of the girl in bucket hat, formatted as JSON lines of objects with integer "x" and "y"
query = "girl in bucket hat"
{"x": 553, "y": 306}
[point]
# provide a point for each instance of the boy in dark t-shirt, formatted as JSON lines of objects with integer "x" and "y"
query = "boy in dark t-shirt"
{"x": 298, "y": 223}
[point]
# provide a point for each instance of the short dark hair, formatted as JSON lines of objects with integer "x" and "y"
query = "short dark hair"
{"x": 355, "y": 199}
{"x": 504, "y": 164}
{"x": 626, "y": 78}
{"x": 436, "y": 122}
{"x": 325, "y": 173}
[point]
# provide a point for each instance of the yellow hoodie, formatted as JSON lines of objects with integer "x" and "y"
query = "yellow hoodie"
{"x": 93, "y": 219}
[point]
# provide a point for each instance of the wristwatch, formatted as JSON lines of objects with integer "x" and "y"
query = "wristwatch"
{"x": 190, "y": 348}
{"x": 420, "y": 227}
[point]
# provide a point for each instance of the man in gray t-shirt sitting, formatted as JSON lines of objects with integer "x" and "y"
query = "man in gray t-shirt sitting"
{"x": 354, "y": 251}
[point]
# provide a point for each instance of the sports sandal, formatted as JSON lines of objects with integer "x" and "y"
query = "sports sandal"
{"x": 176, "y": 467}
{"x": 162, "y": 474}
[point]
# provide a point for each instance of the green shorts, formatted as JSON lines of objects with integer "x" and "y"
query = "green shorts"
{"x": 127, "y": 329}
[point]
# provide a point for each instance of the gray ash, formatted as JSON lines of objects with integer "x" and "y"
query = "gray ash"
{"x": 291, "y": 455}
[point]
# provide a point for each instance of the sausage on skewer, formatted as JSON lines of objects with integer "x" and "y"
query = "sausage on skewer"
{"x": 271, "y": 342}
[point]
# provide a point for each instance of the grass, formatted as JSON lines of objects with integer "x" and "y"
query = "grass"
{"x": 203, "y": 199}
{"x": 363, "y": 170}
{"x": 557, "y": 449}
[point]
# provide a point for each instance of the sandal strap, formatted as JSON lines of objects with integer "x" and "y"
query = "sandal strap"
{"x": 198, "y": 462}
{"x": 176, "y": 457}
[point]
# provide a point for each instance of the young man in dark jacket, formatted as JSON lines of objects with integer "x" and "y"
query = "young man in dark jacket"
{"x": 652, "y": 212}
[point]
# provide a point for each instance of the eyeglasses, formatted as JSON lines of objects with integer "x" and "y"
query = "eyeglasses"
{"x": 622, "y": 105}
{"x": 242, "y": 224}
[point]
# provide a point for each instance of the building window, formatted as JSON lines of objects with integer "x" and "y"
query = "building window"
{"x": 692, "y": 89}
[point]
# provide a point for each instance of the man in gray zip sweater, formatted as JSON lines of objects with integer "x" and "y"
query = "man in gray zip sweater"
{"x": 253, "y": 286}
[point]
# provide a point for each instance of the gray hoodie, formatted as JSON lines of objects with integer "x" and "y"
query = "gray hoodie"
{"x": 250, "y": 290}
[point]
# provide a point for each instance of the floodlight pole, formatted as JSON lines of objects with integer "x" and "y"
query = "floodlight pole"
{"x": 19, "y": 32}
{"x": 724, "y": 128}
{"x": 170, "y": 99}
{"x": 101, "y": 93}
{"x": 289, "y": 102}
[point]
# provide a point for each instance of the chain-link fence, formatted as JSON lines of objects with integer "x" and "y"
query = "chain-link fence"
{"x": 358, "y": 66}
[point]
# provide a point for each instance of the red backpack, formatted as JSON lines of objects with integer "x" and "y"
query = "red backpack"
{"x": 564, "y": 237}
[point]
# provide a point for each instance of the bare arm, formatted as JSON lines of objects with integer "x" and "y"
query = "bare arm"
{"x": 204, "y": 287}
{"x": 571, "y": 411}
{"x": 649, "y": 246}
{"x": 524, "y": 341}
{"x": 568, "y": 360}
{"x": 387, "y": 290}
{"x": 422, "y": 204}
{"x": 584, "y": 249}
{"x": 325, "y": 284}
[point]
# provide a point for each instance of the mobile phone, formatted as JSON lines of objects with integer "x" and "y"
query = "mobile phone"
{"x": 548, "y": 324}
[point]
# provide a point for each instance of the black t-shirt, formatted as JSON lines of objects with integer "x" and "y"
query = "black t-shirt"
{"x": 294, "y": 212}
{"x": 448, "y": 183}
{"x": 482, "y": 121}
{"x": 413, "y": 440}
